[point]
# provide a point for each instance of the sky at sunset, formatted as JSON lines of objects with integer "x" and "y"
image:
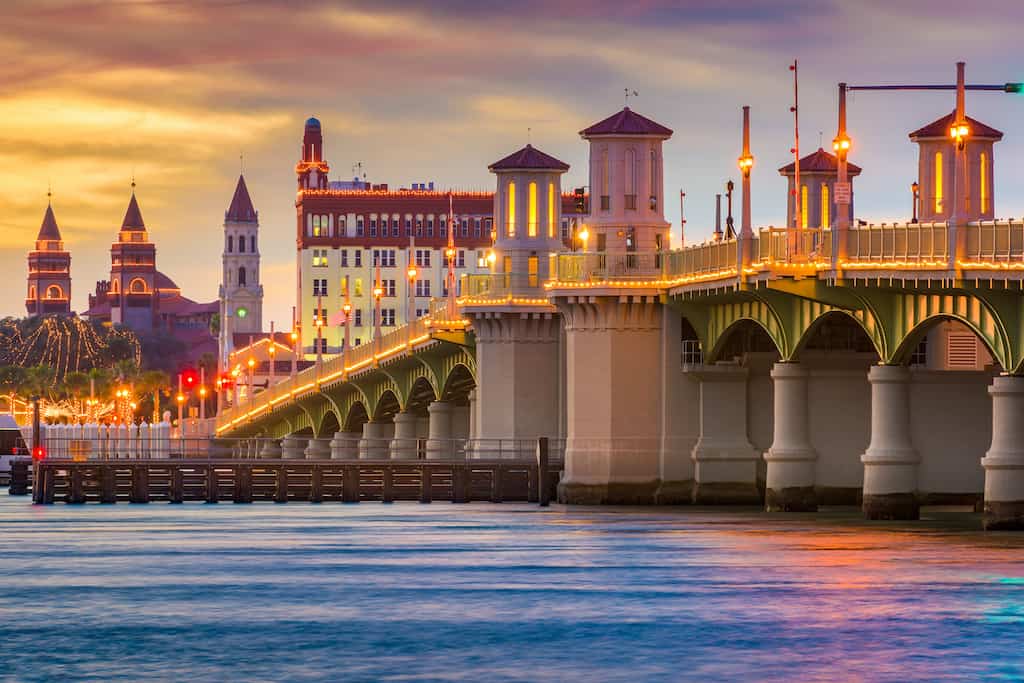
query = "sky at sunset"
{"x": 173, "y": 91}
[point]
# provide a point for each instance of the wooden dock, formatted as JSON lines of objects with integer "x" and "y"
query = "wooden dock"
{"x": 283, "y": 481}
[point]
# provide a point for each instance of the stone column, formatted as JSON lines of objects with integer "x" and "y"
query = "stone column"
{"x": 725, "y": 463}
{"x": 791, "y": 459}
{"x": 439, "y": 441}
{"x": 345, "y": 445}
{"x": 403, "y": 445}
{"x": 374, "y": 445}
{"x": 472, "y": 415}
{"x": 318, "y": 449}
{"x": 890, "y": 462}
{"x": 1004, "y": 461}
{"x": 293, "y": 447}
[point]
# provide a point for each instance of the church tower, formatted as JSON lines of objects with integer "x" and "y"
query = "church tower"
{"x": 133, "y": 272}
{"x": 49, "y": 271}
{"x": 241, "y": 294}
{"x": 312, "y": 170}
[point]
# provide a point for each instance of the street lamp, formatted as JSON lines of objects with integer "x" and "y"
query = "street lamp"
{"x": 252, "y": 365}
{"x": 295, "y": 351}
{"x": 410, "y": 314}
{"x": 202, "y": 402}
{"x": 960, "y": 132}
{"x": 584, "y": 235}
{"x": 915, "y": 190}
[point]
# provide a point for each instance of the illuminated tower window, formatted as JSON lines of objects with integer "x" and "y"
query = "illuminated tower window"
{"x": 983, "y": 175}
{"x": 803, "y": 206}
{"x": 825, "y": 206}
{"x": 551, "y": 209}
{"x": 531, "y": 227}
{"x": 938, "y": 182}
{"x": 511, "y": 199}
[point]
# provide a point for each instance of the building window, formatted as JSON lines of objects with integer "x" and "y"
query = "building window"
{"x": 241, "y": 276}
{"x": 423, "y": 288}
{"x": 320, "y": 287}
{"x": 938, "y": 182}
{"x": 489, "y": 227}
{"x": 442, "y": 227}
{"x": 423, "y": 258}
{"x": 460, "y": 261}
{"x": 605, "y": 181}
{"x": 358, "y": 319}
{"x": 532, "y": 264}
{"x": 565, "y": 228}
{"x": 983, "y": 177}
{"x": 510, "y": 218}
{"x": 606, "y": 202}
{"x": 319, "y": 258}
{"x": 531, "y": 225}
{"x": 419, "y": 227}
{"x": 241, "y": 244}
{"x": 465, "y": 227}
{"x": 920, "y": 354}
{"x": 408, "y": 227}
{"x": 231, "y": 243}
{"x": 359, "y": 226}
{"x": 630, "y": 195}
{"x": 387, "y": 317}
{"x": 357, "y": 289}
{"x": 395, "y": 230}
{"x": 803, "y": 207}
{"x": 385, "y": 258}
{"x": 323, "y": 345}
{"x": 481, "y": 259}
{"x": 476, "y": 227}
{"x": 387, "y": 287}
{"x": 826, "y": 207}
{"x": 422, "y": 312}
{"x": 55, "y": 292}
{"x": 358, "y": 258}
{"x": 630, "y": 201}
{"x": 551, "y": 210}
{"x": 342, "y": 227}
{"x": 344, "y": 258}
{"x": 430, "y": 227}
{"x": 252, "y": 243}
{"x": 320, "y": 225}
{"x": 373, "y": 227}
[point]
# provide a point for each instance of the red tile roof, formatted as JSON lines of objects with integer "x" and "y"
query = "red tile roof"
{"x": 133, "y": 217}
{"x": 241, "y": 209}
{"x": 529, "y": 158}
{"x": 819, "y": 162}
{"x": 939, "y": 128}
{"x": 49, "y": 230}
{"x": 626, "y": 122}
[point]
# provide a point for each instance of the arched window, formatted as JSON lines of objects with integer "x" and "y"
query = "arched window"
{"x": 983, "y": 176}
{"x": 32, "y": 292}
{"x": 938, "y": 182}
{"x": 231, "y": 243}
{"x": 137, "y": 286}
{"x": 54, "y": 292}
{"x": 803, "y": 206}
{"x": 511, "y": 199}
{"x": 241, "y": 244}
{"x": 241, "y": 276}
{"x": 551, "y": 209}
{"x": 605, "y": 181}
{"x": 826, "y": 207}
{"x": 531, "y": 226}
{"x": 630, "y": 178}
{"x": 115, "y": 287}
{"x": 252, "y": 244}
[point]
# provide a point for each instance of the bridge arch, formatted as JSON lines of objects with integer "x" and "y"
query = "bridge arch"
{"x": 744, "y": 335}
{"x": 387, "y": 406}
{"x": 421, "y": 394}
{"x": 724, "y": 319}
{"x": 458, "y": 383}
{"x": 912, "y": 338}
{"x": 356, "y": 417}
{"x": 329, "y": 424}
{"x": 838, "y": 329}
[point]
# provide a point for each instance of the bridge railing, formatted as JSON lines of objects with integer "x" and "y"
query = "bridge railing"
{"x": 701, "y": 259}
{"x": 598, "y": 267}
{"x": 911, "y": 243}
{"x": 792, "y": 245}
{"x": 500, "y": 285}
{"x": 995, "y": 241}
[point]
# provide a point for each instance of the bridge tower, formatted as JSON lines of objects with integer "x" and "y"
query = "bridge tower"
{"x": 518, "y": 332}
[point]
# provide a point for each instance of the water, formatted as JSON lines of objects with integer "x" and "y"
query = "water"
{"x": 482, "y": 592}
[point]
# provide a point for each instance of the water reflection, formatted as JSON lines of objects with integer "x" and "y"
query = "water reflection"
{"x": 484, "y": 592}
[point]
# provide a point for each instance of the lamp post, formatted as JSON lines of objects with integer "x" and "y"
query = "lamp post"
{"x": 252, "y": 367}
{"x": 915, "y": 190}
{"x": 411, "y": 273}
{"x": 202, "y": 401}
{"x": 730, "y": 231}
{"x": 346, "y": 308}
{"x": 295, "y": 351}
{"x": 746, "y": 165}
{"x": 584, "y": 235}
{"x": 378, "y": 292}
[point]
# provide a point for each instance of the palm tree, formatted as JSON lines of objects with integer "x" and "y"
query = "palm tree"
{"x": 154, "y": 381}
{"x": 76, "y": 384}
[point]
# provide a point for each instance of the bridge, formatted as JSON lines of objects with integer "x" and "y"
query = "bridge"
{"x": 872, "y": 364}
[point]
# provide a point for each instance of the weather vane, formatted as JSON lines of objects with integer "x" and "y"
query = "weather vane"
{"x": 629, "y": 93}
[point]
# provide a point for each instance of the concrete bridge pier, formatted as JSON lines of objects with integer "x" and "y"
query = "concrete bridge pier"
{"x": 725, "y": 462}
{"x": 293, "y": 447}
{"x": 271, "y": 449}
{"x": 790, "y": 477}
{"x": 403, "y": 443}
{"x": 345, "y": 445}
{"x": 890, "y": 462}
{"x": 1004, "y": 461}
{"x": 439, "y": 440}
{"x": 613, "y": 391}
{"x": 374, "y": 443}
{"x": 318, "y": 449}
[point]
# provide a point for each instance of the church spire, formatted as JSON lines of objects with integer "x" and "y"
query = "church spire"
{"x": 241, "y": 209}
{"x": 49, "y": 231}
{"x": 133, "y": 216}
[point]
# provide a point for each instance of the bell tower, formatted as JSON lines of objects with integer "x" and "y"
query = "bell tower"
{"x": 49, "y": 271}
{"x": 241, "y": 294}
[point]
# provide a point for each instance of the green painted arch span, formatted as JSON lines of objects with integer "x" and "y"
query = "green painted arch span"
{"x": 724, "y": 318}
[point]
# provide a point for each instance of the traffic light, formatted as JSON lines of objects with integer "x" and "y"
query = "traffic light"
{"x": 580, "y": 199}
{"x": 189, "y": 378}
{"x": 1014, "y": 88}
{"x": 227, "y": 381}
{"x": 39, "y": 453}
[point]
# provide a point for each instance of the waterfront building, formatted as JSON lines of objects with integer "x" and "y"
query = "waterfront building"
{"x": 49, "y": 271}
{"x": 353, "y": 236}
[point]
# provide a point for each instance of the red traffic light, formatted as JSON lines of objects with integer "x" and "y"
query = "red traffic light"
{"x": 227, "y": 381}
{"x": 189, "y": 378}
{"x": 39, "y": 453}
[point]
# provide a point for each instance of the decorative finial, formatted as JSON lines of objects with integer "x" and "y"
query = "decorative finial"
{"x": 133, "y": 181}
{"x": 529, "y": 135}
{"x": 241, "y": 164}
{"x": 49, "y": 192}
